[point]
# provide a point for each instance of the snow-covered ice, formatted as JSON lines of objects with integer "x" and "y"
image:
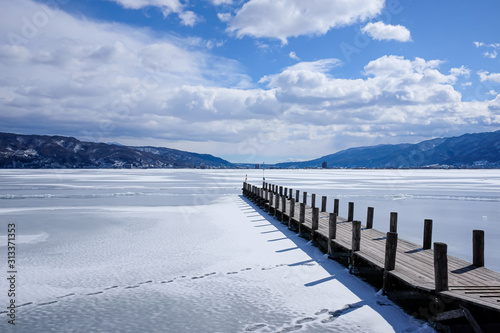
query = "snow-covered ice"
{"x": 182, "y": 251}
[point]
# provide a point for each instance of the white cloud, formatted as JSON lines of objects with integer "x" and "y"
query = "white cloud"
{"x": 492, "y": 53}
{"x": 224, "y": 17}
{"x": 281, "y": 19}
{"x": 262, "y": 46}
{"x": 382, "y": 31}
{"x": 173, "y": 5}
{"x": 293, "y": 56}
{"x": 73, "y": 76}
{"x": 461, "y": 71}
{"x": 110, "y": 82}
{"x": 221, "y": 2}
{"x": 396, "y": 92}
{"x": 492, "y": 45}
{"x": 494, "y": 105}
{"x": 486, "y": 76}
{"x": 167, "y": 7}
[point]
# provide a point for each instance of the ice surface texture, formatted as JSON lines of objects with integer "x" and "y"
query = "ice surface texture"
{"x": 182, "y": 251}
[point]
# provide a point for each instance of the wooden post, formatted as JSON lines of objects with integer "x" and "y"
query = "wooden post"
{"x": 292, "y": 212}
{"x": 478, "y": 248}
{"x": 277, "y": 205}
{"x": 356, "y": 244}
{"x": 336, "y": 206}
{"x": 290, "y": 195}
{"x": 266, "y": 199}
{"x": 304, "y": 198}
{"x": 350, "y": 215}
{"x": 369, "y": 218}
{"x": 427, "y": 244}
{"x": 283, "y": 208}
{"x": 271, "y": 201}
{"x": 315, "y": 222}
{"x": 440, "y": 266}
{"x": 302, "y": 216}
{"x": 332, "y": 232}
{"x": 394, "y": 222}
{"x": 297, "y": 195}
{"x": 281, "y": 190}
{"x": 313, "y": 200}
{"x": 273, "y": 188}
{"x": 323, "y": 203}
{"x": 285, "y": 191}
{"x": 391, "y": 244}
{"x": 356, "y": 236}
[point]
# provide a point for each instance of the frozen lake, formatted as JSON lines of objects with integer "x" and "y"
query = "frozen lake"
{"x": 181, "y": 251}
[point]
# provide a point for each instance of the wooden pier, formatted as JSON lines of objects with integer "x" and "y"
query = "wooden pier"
{"x": 462, "y": 291}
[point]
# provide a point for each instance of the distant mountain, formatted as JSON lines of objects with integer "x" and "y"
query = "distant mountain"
{"x": 41, "y": 151}
{"x": 480, "y": 150}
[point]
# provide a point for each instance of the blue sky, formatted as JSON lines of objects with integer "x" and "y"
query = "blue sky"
{"x": 250, "y": 81}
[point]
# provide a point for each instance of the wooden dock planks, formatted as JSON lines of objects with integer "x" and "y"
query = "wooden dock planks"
{"x": 414, "y": 265}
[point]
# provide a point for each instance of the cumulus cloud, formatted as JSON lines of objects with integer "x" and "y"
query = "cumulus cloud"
{"x": 281, "y": 19}
{"x": 388, "y": 78}
{"x": 396, "y": 93}
{"x": 382, "y": 31}
{"x": 461, "y": 71}
{"x": 486, "y": 76}
{"x": 85, "y": 74}
{"x": 109, "y": 82}
{"x": 167, "y": 7}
